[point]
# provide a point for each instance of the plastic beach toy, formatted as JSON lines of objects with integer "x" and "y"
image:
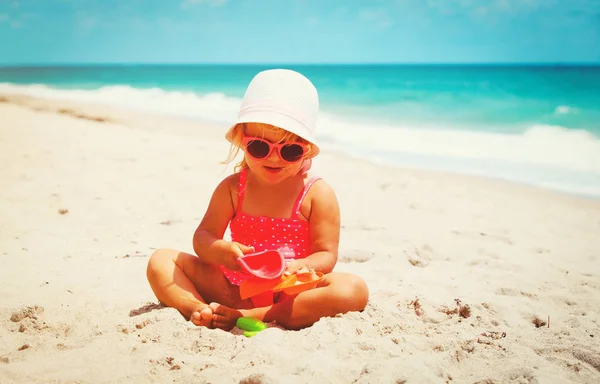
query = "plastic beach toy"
{"x": 250, "y": 325}
{"x": 264, "y": 265}
{"x": 291, "y": 285}
{"x": 294, "y": 284}
{"x": 253, "y": 286}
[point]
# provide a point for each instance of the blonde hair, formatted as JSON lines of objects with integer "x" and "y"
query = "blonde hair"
{"x": 283, "y": 137}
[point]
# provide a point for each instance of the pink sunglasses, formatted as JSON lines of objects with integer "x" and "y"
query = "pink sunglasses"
{"x": 261, "y": 149}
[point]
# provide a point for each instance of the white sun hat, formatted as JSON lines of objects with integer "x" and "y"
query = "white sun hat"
{"x": 283, "y": 98}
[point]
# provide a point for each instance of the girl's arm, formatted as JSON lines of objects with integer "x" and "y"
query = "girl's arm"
{"x": 208, "y": 240}
{"x": 324, "y": 223}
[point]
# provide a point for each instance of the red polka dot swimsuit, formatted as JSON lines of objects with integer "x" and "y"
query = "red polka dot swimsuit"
{"x": 289, "y": 235}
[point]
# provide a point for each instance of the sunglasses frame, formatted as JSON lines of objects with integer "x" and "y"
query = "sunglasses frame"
{"x": 272, "y": 146}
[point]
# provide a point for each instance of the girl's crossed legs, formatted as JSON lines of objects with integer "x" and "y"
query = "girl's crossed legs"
{"x": 201, "y": 293}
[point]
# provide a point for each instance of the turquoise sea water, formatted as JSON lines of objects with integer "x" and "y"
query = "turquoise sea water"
{"x": 533, "y": 124}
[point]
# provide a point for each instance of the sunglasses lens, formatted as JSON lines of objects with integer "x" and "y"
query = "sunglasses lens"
{"x": 258, "y": 148}
{"x": 292, "y": 152}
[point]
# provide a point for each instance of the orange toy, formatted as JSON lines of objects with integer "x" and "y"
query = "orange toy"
{"x": 291, "y": 285}
{"x": 294, "y": 284}
{"x": 253, "y": 286}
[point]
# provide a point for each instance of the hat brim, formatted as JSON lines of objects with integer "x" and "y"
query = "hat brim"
{"x": 278, "y": 120}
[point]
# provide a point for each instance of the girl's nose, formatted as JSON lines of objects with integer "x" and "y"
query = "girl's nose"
{"x": 274, "y": 156}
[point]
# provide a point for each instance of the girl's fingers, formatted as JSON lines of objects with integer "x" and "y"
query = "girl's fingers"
{"x": 244, "y": 248}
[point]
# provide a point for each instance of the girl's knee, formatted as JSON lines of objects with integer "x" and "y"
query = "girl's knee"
{"x": 352, "y": 290}
{"x": 159, "y": 260}
{"x": 358, "y": 291}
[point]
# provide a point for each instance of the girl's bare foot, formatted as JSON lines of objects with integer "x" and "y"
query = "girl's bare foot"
{"x": 203, "y": 317}
{"x": 224, "y": 317}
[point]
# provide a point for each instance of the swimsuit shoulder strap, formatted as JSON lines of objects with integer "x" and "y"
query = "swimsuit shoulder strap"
{"x": 242, "y": 188}
{"x": 296, "y": 210}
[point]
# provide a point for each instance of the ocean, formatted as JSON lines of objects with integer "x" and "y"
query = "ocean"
{"x": 538, "y": 125}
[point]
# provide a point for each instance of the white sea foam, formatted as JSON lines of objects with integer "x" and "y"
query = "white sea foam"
{"x": 211, "y": 106}
{"x": 547, "y": 145}
{"x": 564, "y": 109}
{"x": 545, "y": 155}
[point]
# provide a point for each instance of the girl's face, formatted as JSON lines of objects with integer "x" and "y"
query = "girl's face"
{"x": 272, "y": 168}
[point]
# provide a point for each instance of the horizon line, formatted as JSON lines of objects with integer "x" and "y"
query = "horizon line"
{"x": 486, "y": 63}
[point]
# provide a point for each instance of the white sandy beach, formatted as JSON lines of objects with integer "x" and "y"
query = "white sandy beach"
{"x": 75, "y": 306}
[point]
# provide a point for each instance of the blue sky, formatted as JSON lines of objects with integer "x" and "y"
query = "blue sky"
{"x": 299, "y": 31}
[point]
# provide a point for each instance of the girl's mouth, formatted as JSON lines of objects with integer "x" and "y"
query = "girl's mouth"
{"x": 273, "y": 169}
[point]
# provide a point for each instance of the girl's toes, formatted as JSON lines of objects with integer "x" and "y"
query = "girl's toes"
{"x": 219, "y": 321}
{"x": 214, "y": 307}
{"x": 202, "y": 318}
{"x": 206, "y": 314}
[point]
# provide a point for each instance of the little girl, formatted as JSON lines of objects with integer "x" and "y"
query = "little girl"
{"x": 270, "y": 202}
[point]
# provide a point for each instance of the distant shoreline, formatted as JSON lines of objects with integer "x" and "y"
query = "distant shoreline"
{"x": 103, "y": 113}
{"x": 510, "y": 130}
{"x": 300, "y": 65}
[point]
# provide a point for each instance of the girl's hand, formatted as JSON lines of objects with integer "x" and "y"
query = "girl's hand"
{"x": 293, "y": 266}
{"x": 229, "y": 252}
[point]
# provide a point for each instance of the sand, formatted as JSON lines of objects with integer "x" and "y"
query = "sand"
{"x": 472, "y": 280}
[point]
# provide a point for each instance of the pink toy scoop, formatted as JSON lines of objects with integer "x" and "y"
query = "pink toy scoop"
{"x": 265, "y": 265}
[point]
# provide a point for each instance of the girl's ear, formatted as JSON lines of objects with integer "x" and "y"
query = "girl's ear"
{"x": 306, "y": 164}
